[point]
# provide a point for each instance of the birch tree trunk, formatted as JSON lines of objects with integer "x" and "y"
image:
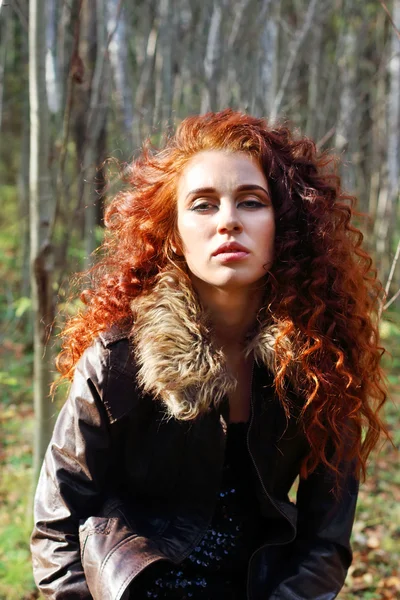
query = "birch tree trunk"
{"x": 347, "y": 106}
{"x": 52, "y": 75}
{"x": 199, "y": 37}
{"x": 118, "y": 52}
{"x": 378, "y": 129}
{"x": 394, "y": 107}
{"x": 211, "y": 60}
{"x": 142, "y": 107}
{"x": 41, "y": 253}
{"x": 268, "y": 58}
{"x": 329, "y": 94}
{"x": 164, "y": 87}
{"x": 386, "y": 214}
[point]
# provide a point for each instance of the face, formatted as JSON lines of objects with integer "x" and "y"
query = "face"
{"x": 225, "y": 219}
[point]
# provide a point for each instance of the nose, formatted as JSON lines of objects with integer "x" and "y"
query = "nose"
{"x": 228, "y": 218}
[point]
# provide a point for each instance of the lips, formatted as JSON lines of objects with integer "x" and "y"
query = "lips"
{"x": 230, "y": 248}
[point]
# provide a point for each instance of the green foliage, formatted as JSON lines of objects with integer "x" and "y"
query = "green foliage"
{"x": 15, "y": 575}
{"x": 16, "y": 580}
{"x": 22, "y": 305}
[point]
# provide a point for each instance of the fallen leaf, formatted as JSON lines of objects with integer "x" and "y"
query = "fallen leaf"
{"x": 373, "y": 542}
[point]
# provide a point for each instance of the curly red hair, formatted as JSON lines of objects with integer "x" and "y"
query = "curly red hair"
{"x": 324, "y": 293}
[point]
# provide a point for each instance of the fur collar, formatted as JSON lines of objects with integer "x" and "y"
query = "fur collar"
{"x": 175, "y": 355}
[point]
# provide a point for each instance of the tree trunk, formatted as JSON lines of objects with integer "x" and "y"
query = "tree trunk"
{"x": 267, "y": 59}
{"x": 240, "y": 10}
{"x": 209, "y": 99}
{"x": 52, "y": 74}
{"x": 328, "y": 111}
{"x": 23, "y": 189}
{"x": 393, "y": 142}
{"x": 378, "y": 130}
{"x": 347, "y": 107}
{"x": 142, "y": 102}
{"x": 293, "y": 54}
{"x": 5, "y": 28}
{"x": 314, "y": 80}
{"x": 86, "y": 53}
{"x": 386, "y": 214}
{"x": 118, "y": 52}
{"x": 96, "y": 120}
{"x": 182, "y": 54}
{"x": 40, "y": 215}
{"x": 164, "y": 86}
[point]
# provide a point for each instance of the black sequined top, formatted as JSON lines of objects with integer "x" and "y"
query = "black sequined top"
{"x": 217, "y": 567}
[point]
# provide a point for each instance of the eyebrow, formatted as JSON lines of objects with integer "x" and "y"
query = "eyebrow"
{"x": 241, "y": 188}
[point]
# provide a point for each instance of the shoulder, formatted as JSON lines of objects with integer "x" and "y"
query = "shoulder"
{"x": 109, "y": 365}
{"x": 116, "y": 345}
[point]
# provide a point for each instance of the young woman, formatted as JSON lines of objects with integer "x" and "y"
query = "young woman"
{"x": 228, "y": 345}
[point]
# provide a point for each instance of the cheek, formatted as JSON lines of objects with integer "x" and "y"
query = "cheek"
{"x": 182, "y": 231}
{"x": 266, "y": 235}
{"x": 193, "y": 234}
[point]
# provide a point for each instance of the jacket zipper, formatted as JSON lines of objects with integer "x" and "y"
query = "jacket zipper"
{"x": 259, "y": 477}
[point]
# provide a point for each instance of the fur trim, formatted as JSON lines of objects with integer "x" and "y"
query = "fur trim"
{"x": 175, "y": 355}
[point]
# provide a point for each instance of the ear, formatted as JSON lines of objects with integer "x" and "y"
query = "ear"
{"x": 176, "y": 247}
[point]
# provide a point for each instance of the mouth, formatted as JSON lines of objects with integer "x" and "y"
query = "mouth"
{"x": 231, "y": 251}
{"x": 230, "y": 248}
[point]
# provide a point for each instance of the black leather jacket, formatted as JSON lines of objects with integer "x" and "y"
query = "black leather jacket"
{"x": 122, "y": 486}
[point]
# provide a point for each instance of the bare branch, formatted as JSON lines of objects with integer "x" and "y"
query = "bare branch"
{"x": 392, "y": 299}
{"x": 388, "y": 283}
{"x": 294, "y": 52}
{"x": 392, "y": 268}
{"x": 117, "y": 17}
{"x": 21, "y": 14}
{"x": 327, "y": 136}
{"x": 236, "y": 22}
{"x": 385, "y": 8}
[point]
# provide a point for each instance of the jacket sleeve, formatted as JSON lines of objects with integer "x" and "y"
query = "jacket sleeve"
{"x": 320, "y": 555}
{"x": 71, "y": 481}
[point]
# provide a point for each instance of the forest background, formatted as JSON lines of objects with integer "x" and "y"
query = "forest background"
{"x": 85, "y": 80}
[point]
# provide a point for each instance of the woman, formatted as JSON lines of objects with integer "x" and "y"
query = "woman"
{"x": 227, "y": 346}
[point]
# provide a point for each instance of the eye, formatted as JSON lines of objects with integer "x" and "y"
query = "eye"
{"x": 202, "y": 205}
{"x": 252, "y": 203}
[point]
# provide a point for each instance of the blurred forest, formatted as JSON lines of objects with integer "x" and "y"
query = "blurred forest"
{"x": 82, "y": 81}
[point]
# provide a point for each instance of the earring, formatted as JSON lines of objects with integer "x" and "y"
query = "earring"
{"x": 178, "y": 253}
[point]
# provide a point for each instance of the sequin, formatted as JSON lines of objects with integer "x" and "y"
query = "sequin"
{"x": 217, "y": 566}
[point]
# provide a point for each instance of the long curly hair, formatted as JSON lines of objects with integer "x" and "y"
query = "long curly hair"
{"x": 323, "y": 294}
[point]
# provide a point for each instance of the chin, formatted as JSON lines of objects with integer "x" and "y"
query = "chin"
{"x": 229, "y": 282}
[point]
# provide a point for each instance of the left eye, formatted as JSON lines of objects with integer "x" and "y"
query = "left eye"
{"x": 251, "y": 204}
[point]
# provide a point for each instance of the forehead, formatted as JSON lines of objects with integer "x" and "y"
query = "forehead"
{"x": 220, "y": 170}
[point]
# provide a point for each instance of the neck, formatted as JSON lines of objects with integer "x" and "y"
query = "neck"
{"x": 232, "y": 312}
